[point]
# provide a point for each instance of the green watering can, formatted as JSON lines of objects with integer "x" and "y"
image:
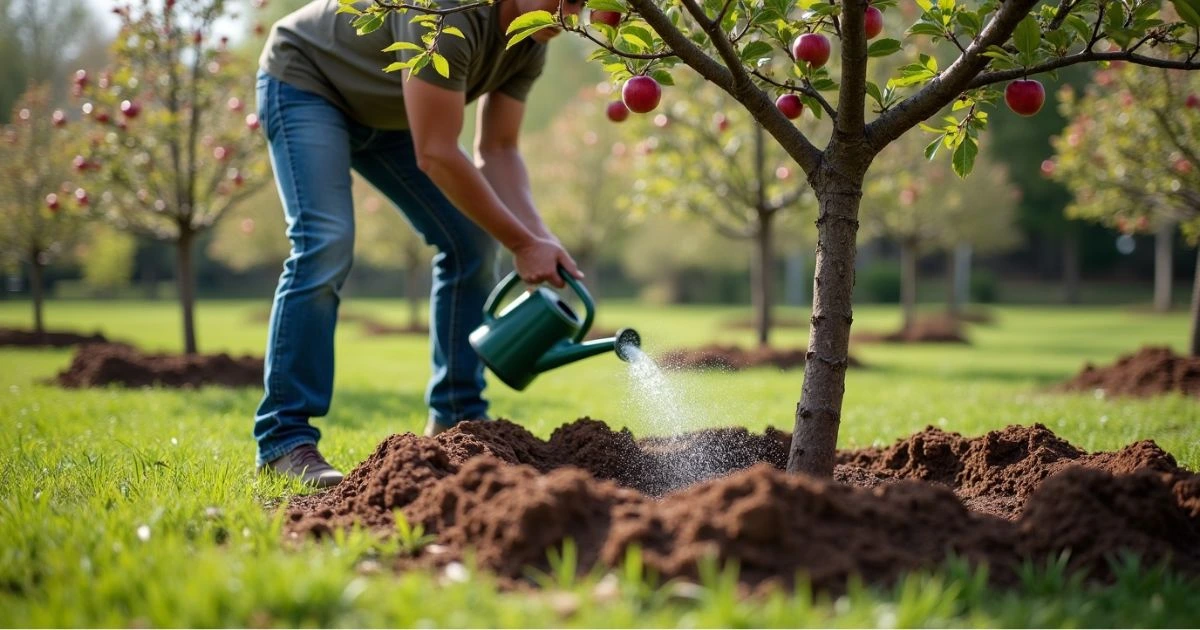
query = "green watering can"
{"x": 539, "y": 331}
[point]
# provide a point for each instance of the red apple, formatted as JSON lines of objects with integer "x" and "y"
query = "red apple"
{"x": 1025, "y": 96}
{"x": 220, "y": 153}
{"x": 641, "y": 94}
{"x": 81, "y": 77}
{"x": 130, "y": 109}
{"x": 811, "y": 48}
{"x": 252, "y": 122}
{"x": 58, "y": 118}
{"x": 611, "y": 18}
{"x": 81, "y": 197}
{"x": 722, "y": 122}
{"x": 874, "y": 22}
{"x": 1192, "y": 102}
{"x": 234, "y": 104}
{"x": 102, "y": 117}
{"x": 80, "y": 163}
{"x": 52, "y": 202}
{"x": 1048, "y": 168}
{"x": 790, "y": 105}
{"x": 259, "y": 29}
{"x": 1182, "y": 166}
{"x": 783, "y": 172}
{"x": 616, "y": 111}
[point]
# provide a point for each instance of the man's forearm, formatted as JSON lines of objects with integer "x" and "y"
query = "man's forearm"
{"x": 476, "y": 197}
{"x": 505, "y": 171}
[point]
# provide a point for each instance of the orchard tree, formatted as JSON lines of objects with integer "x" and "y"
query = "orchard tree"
{"x": 39, "y": 41}
{"x": 758, "y": 51}
{"x": 925, "y": 208}
{"x": 1131, "y": 154}
{"x": 171, "y": 143}
{"x": 38, "y": 223}
{"x": 709, "y": 158}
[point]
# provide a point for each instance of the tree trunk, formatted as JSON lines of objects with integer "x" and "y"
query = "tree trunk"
{"x": 763, "y": 277}
{"x": 838, "y": 187}
{"x": 185, "y": 280}
{"x": 908, "y": 281}
{"x": 1071, "y": 265}
{"x": 37, "y": 289}
{"x": 1163, "y": 258}
{"x": 953, "y": 300}
{"x": 1195, "y": 349}
{"x": 413, "y": 273}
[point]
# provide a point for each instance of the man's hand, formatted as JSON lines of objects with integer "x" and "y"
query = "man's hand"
{"x": 537, "y": 261}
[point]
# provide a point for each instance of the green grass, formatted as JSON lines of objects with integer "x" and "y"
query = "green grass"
{"x": 123, "y": 508}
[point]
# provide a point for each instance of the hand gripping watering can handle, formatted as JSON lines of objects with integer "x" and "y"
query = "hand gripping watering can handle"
{"x": 589, "y": 307}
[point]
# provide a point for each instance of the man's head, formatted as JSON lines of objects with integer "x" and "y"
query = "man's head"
{"x": 566, "y": 7}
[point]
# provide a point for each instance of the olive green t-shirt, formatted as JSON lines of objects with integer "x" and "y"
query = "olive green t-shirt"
{"x": 315, "y": 49}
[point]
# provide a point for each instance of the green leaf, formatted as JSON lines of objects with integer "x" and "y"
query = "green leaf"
{"x": 639, "y": 37}
{"x": 932, "y": 149}
{"x": 926, "y": 28}
{"x": 402, "y": 46}
{"x": 348, "y": 8}
{"x": 970, "y": 21}
{"x": 441, "y": 65}
{"x": 453, "y": 30}
{"x": 608, "y": 5}
{"x": 873, "y": 92}
{"x": 367, "y": 23}
{"x": 663, "y": 77}
{"x": 883, "y": 48}
{"x": 756, "y": 50}
{"x": 1082, "y": 29}
{"x": 1189, "y": 10}
{"x": 925, "y": 5}
{"x": 1028, "y": 35}
{"x": 824, "y": 84}
{"x": 533, "y": 19}
{"x": 964, "y": 157}
{"x": 398, "y": 65}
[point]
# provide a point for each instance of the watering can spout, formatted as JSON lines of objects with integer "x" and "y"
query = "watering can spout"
{"x": 624, "y": 343}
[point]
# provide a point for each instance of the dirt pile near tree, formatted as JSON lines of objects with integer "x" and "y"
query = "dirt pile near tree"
{"x": 15, "y": 337}
{"x": 931, "y": 329}
{"x": 732, "y": 358}
{"x": 375, "y": 328}
{"x": 1151, "y": 371}
{"x": 98, "y": 365}
{"x": 1011, "y": 495}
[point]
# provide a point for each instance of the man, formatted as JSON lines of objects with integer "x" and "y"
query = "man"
{"x": 327, "y": 107}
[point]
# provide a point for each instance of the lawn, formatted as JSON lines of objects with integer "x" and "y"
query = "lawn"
{"x": 122, "y": 508}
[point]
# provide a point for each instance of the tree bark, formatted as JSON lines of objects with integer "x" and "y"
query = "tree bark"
{"x": 1071, "y": 265}
{"x": 1163, "y": 258}
{"x": 763, "y": 277}
{"x": 185, "y": 280}
{"x": 1195, "y": 349}
{"x": 37, "y": 289}
{"x": 838, "y": 187}
{"x": 908, "y": 281}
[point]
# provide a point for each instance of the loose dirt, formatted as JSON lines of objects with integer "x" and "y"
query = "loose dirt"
{"x": 98, "y": 365}
{"x": 15, "y": 337}
{"x": 1151, "y": 371}
{"x": 1002, "y": 498}
{"x": 930, "y": 329}
{"x": 733, "y": 358}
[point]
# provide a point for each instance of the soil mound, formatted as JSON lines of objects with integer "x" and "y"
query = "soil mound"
{"x": 1150, "y": 371}
{"x": 98, "y": 365}
{"x": 376, "y": 328}
{"x": 1002, "y": 498}
{"x": 733, "y": 358}
{"x": 934, "y": 329}
{"x": 48, "y": 339}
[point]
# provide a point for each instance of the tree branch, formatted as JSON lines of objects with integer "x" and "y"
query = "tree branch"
{"x": 998, "y": 76}
{"x": 806, "y": 89}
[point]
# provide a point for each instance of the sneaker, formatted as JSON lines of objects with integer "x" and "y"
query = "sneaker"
{"x": 306, "y": 464}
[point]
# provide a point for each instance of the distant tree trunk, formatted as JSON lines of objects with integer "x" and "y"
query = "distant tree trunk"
{"x": 763, "y": 277}
{"x": 413, "y": 273}
{"x": 1195, "y": 349}
{"x": 36, "y": 287}
{"x": 1163, "y": 258}
{"x": 908, "y": 281}
{"x": 953, "y": 303}
{"x": 185, "y": 280}
{"x": 1071, "y": 265}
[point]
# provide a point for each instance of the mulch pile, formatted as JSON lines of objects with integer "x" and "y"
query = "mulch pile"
{"x": 732, "y": 358}
{"x": 1151, "y": 371}
{"x": 1011, "y": 495}
{"x": 931, "y": 329}
{"x": 99, "y": 365}
{"x": 49, "y": 339}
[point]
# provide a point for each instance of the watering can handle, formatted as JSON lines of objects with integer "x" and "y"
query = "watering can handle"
{"x": 510, "y": 281}
{"x": 497, "y": 295}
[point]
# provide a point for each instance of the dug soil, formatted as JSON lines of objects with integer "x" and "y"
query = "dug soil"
{"x": 99, "y": 365}
{"x": 1004, "y": 498}
{"x": 1151, "y": 371}
{"x": 732, "y": 358}
{"x": 931, "y": 329}
{"x": 376, "y": 328}
{"x": 49, "y": 339}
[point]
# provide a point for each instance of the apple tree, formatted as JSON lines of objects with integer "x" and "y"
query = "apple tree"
{"x": 169, "y": 144}
{"x": 37, "y": 223}
{"x": 706, "y": 157}
{"x": 925, "y": 208}
{"x": 759, "y": 50}
{"x": 1131, "y": 155}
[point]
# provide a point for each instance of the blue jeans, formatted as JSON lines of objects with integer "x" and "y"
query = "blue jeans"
{"x": 313, "y": 146}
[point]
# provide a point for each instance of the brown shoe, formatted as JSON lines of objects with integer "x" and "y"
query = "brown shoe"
{"x": 306, "y": 464}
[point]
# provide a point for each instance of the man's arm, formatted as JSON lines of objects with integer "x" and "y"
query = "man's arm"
{"x": 499, "y": 159}
{"x": 435, "y": 116}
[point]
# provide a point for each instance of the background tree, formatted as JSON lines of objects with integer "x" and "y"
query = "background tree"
{"x": 36, "y": 224}
{"x": 925, "y": 208}
{"x": 708, "y": 158}
{"x": 172, "y": 146}
{"x": 1131, "y": 154}
{"x": 39, "y": 41}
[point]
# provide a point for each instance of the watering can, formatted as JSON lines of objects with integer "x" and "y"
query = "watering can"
{"x": 539, "y": 331}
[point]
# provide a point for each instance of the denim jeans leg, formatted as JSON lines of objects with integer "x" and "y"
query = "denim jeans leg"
{"x": 463, "y": 273}
{"x": 309, "y": 145}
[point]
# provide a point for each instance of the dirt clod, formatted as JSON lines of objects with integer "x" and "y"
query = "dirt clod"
{"x": 15, "y": 337}
{"x": 930, "y": 329}
{"x": 98, "y": 365}
{"x": 1151, "y": 371}
{"x": 1003, "y": 498}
